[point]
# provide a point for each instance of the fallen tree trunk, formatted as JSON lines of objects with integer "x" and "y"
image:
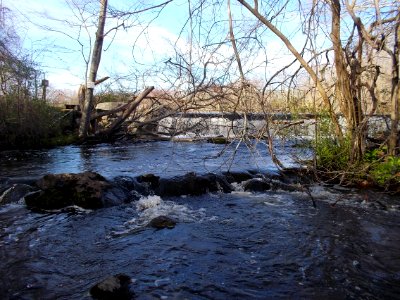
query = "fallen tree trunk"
{"x": 127, "y": 112}
{"x": 111, "y": 112}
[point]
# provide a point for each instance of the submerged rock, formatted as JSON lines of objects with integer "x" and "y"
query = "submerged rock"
{"x": 277, "y": 185}
{"x": 193, "y": 184}
{"x": 237, "y": 176}
{"x": 15, "y": 193}
{"x": 256, "y": 185}
{"x": 218, "y": 140}
{"x": 88, "y": 190}
{"x": 161, "y": 222}
{"x": 150, "y": 181}
{"x": 113, "y": 287}
{"x": 297, "y": 176}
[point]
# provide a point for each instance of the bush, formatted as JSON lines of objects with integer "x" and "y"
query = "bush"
{"x": 332, "y": 156}
{"x": 387, "y": 172}
{"x": 28, "y": 123}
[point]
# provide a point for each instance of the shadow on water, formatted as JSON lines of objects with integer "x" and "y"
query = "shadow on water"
{"x": 225, "y": 246}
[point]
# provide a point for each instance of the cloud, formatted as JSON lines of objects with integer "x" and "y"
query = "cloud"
{"x": 137, "y": 49}
{"x": 63, "y": 79}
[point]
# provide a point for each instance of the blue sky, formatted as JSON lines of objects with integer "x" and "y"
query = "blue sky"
{"x": 54, "y": 45}
{"x": 49, "y": 31}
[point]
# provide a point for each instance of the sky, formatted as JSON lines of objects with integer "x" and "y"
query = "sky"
{"x": 54, "y": 44}
{"x": 132, "y": 57}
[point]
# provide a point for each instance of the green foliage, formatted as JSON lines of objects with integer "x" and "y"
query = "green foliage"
{"x": 377, "y": 167}
{"x": 28, "y": 123}
{"x": 332, "y": 156}
{"x": 375, "y": 154}
{"x": 386, "y": 172}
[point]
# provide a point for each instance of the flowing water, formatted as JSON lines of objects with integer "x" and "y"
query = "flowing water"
{"x": 225, "y": 246}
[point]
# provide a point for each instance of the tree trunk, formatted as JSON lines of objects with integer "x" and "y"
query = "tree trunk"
{"x": 349, "y": 103}
{"x": 302, "y": 61}
{"x": 94, "y": 66}
{"x": 395, "y": 93}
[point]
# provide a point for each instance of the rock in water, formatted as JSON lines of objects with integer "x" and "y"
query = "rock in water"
{"x": 256, "y": 185}
{"x": 237, "y": 176}
{"x": 15, "y": 193}
{"x": 114, "y": 287}
{"x": 192, "y": 184}
{"x": 150, "y": 179}
{"x": 161, "y": 222}
{"x": 88, "y": 190}
{"x": 218, "y": 140}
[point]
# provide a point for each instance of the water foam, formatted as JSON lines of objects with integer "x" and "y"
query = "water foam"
{"x": 148, "y": 202}
{"x": 150, "y": 207}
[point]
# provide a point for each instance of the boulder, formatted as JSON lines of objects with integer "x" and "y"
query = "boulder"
{"x": 88, "y": 190}
{"x": 15, "y": 193}
{"x": 161, "y": 222}
{"x": 237, "y": 176}
{"x": 297, "y": 176}
{"x": 113, "y": 287}
{"x": 218, "y": 140}
{"x": 256, "y": 185}
{"x": 151, "y": 181}
{"x": 192, "y": 184}
{"x": 131, "y": 186}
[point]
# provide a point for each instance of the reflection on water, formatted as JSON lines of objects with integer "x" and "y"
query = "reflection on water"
{"x": 162, "y": 158}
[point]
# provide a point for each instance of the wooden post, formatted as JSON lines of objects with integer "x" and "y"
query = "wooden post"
{"x": 45, "y": 84}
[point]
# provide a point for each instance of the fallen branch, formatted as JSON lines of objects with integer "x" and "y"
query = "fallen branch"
{"x": 288, "y": 125}
{"x": 112, "y": 111}
{"x": 128, "y": 111}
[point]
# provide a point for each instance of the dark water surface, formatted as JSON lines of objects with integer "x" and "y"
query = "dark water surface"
{"x": 225, "y": 246}
{"x": 161, "y": 158}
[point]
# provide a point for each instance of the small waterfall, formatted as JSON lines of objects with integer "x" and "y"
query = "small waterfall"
{"x": 231, "y": 125}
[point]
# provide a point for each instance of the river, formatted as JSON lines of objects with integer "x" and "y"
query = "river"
{"x": 240, "y": 245}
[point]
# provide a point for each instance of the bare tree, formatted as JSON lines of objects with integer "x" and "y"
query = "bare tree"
{"x": 356, "y": 65}
{"x": 95, "y": 62}
{"x": 254, "y": 10}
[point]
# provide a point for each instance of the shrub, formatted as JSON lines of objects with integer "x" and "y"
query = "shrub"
{"x": 387, "y": 172}
{"x": 332, "y": 156}
{"x": 27, "y": 123}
